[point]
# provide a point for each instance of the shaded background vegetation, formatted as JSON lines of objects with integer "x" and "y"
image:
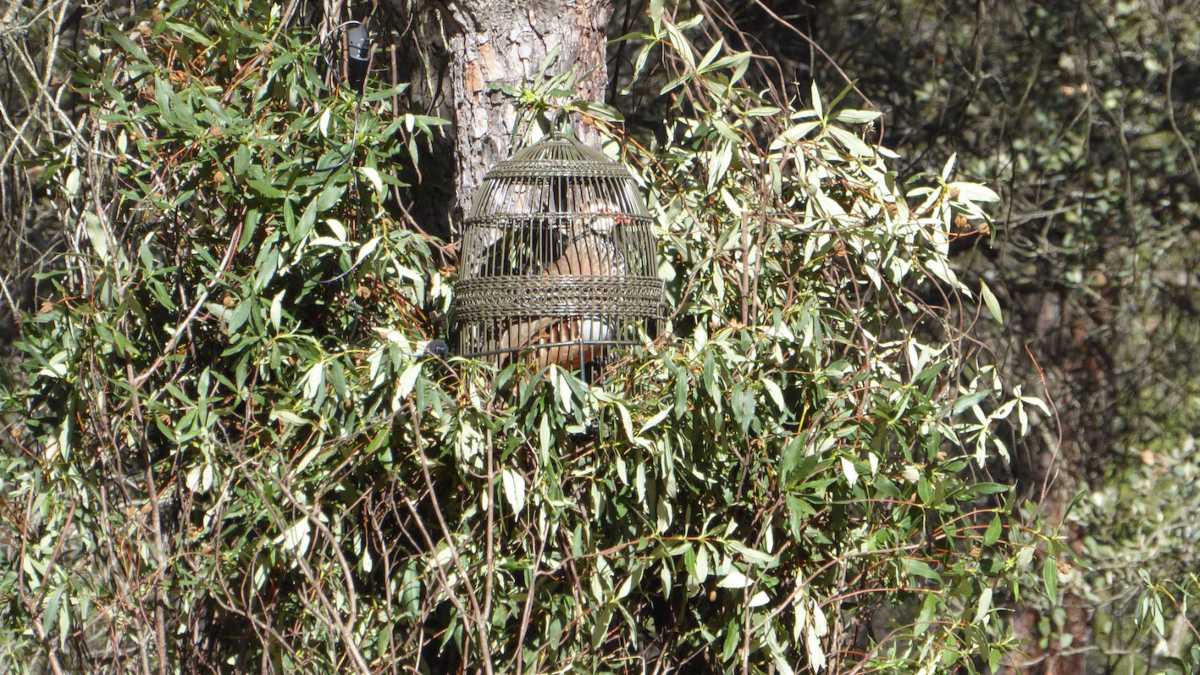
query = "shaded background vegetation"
{"x": 1085, "y": 116}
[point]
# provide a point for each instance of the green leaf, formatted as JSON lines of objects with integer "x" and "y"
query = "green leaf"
{"x": 990, "y": 300}
{"x": 851, "y": 116}
{"x": 65, "y": 620}
{"x": 366, "y": 250}
{"x": 306, "y": 222}
{"x": 189, "y": 32}
{"x": 372, "y": 175}
{"x": 733, "y": 637}
{"x": 383, "y": 94}
{"x": 514, "y": 489}
{"x": 408, "y": 379}
{"x": 329, "y": 197}
{"x": 264, "y": 188}
{"x": 992, "y": 534}
{"x": 850, "y": 471}
{"x": 277, "y": 309}
{"x": 674, "y": 84}
{"x": 735, "y": 579}
{"x": 776, "y": 394}
{"x": 1050, "y": 578}
{"x": 626, "y": 422}
{"x": 313, "y": 380}
{"x": 984, "y": 489}
{"x": 71, "y": 186}
{"x": 965, "y": 402}
{"x": 681, "y": 44}
{"x": 920, "y": 568}
{"x": 984, "y": 605}
{"x": 974, "y": 192}
{"x": 948, "y": 168}
{"x": 97, "y": 235}
{"x": 794, "y": 133}
{"x": 296, "y": 537}
{"x": 852, "y": 143}
{"x": 928, "y": 611}
{"x": 287, "y": 416}
{"x": 750, "y": 555}
{"x": 654, "y": 421}
{"x": 50, "y": 613}
{"x": 544, "y": 438}
{"x": 710, "y": 55}
{"x": 1158, "y": 140}
{"x": 1024, "y": 557}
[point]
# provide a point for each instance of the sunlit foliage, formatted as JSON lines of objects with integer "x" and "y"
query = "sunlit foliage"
{"x": 229, "y": 447}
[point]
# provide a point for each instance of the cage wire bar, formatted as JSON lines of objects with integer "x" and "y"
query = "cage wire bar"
{"x": 558, "y": 261}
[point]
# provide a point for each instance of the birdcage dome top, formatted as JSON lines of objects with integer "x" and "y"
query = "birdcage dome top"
{"x": 556, "y": 176}
{"x": 558, "y": 155}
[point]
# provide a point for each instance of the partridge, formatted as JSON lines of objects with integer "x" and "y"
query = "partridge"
{"x": 591, "y": 254}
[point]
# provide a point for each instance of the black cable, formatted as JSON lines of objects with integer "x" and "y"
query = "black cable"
{"x": 360, "y": 54}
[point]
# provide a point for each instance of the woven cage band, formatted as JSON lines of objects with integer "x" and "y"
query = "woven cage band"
{"x": 507, "y": 297}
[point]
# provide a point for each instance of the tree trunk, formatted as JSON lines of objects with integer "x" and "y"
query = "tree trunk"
{"x": 504, "y": 42}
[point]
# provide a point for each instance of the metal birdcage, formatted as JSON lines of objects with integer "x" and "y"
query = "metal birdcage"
{"x": 558, "y": 260}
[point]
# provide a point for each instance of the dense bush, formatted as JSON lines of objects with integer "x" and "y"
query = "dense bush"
{"x": 1084, "y": 117}
{"x": 229, "y": 449}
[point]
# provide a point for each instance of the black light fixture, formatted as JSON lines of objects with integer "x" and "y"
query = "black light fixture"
{"x": 358, "y": 51}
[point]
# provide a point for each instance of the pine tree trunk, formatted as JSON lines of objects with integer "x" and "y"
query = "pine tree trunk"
{"x": 504, "y": 42}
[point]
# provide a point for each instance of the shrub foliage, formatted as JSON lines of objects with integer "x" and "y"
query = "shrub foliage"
{"x": 228, "y": 447}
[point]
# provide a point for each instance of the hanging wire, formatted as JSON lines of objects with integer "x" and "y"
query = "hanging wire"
{"x": 360, "y": 49}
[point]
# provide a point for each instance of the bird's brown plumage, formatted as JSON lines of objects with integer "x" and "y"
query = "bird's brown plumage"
{"x": 591, "y": 254}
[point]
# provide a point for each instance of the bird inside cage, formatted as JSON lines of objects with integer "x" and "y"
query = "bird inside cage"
{"x": 521, "y": 236}
{"x": 591, "y": 251}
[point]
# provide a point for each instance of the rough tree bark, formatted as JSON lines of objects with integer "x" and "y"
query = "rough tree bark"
{"x": 505, "y": 42}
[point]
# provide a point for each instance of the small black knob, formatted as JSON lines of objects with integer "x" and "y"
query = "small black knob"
{"x": 437, "y": 348}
